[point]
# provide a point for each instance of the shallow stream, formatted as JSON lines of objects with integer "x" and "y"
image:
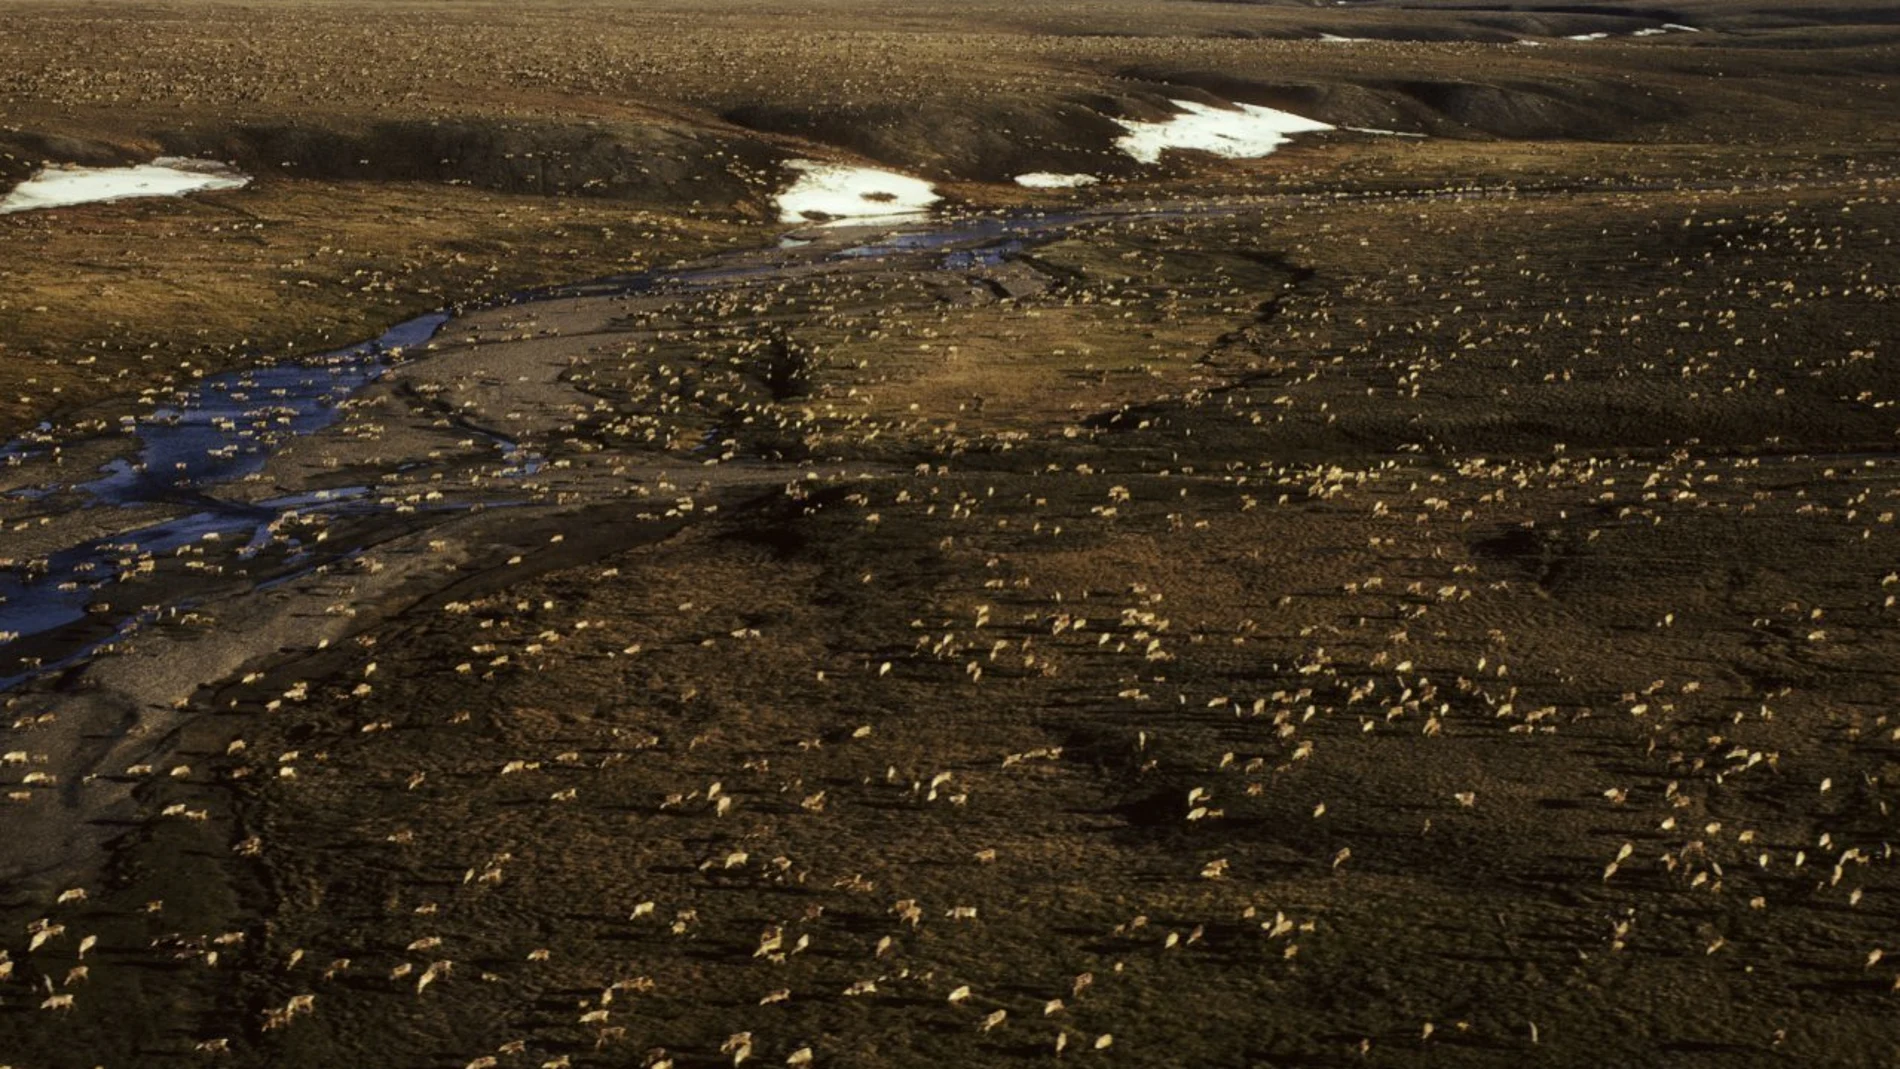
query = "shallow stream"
{"x": 66, "y": 602}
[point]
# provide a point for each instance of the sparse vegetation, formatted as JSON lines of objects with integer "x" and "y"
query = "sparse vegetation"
{"x": 1392, "y": 602}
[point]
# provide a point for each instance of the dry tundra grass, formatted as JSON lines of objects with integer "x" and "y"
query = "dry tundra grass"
{"x": 1403, "y": 602}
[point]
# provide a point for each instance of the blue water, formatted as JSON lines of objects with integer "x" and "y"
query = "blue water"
{"x": 223, "y": 428}
{"x": 228, "y": 425}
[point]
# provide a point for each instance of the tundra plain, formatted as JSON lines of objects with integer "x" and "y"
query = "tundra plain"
{"x": 1401, "y": 600}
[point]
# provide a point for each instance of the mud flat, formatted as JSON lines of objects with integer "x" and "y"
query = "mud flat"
{"x": 1390, "y": 601}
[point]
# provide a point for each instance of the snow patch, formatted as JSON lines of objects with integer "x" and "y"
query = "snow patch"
{"x": 167, "y": 176}
{"x": 1245, "y": 133}
{"x": 1049, "y": 180}
{"x": 841, "y": 191}
{"x": 1647, "y": 31}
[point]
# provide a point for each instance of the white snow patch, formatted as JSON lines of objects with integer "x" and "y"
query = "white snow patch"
{"x": 1647, "y": 31}
{"x": 1239, "y": 134}
{"x": 1334, "y": 38}
{"x": 1381, "y": 133}
{"x": 841, "y": 191}
{"x": 167, "y": 176}
{"x": 1049, "y": 180}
